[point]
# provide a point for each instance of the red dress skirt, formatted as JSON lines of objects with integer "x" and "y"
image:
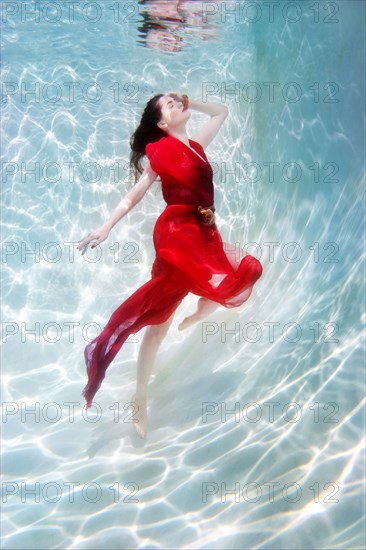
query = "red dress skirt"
{"x": 190, "y": 257}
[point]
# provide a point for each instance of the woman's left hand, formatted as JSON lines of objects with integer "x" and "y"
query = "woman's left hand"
{"x": 98, "y": 236}
{"x": 178, "y": 97}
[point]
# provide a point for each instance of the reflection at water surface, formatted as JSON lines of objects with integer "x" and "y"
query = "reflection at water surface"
{"x": 169, "y": 26}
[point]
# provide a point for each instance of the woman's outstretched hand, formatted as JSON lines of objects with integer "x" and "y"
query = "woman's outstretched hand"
{"x": 98, "y": 236}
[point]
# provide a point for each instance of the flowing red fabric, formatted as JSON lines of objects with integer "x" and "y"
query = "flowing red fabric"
{"x": 190, "y": 257}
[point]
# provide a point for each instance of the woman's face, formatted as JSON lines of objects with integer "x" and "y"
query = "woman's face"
{"x": 172, "y": 112}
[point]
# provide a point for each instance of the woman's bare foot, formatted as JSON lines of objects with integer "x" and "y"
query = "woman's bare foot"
{"x": 188, "y": 321}
{"x": 140, "y": 416}
{"x": 204, "y": 308}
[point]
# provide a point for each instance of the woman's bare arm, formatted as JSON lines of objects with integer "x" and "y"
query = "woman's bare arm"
{"x": 134, "y": 196}
{"x": 208, "y": 131}
{"x": 130, "y": 200}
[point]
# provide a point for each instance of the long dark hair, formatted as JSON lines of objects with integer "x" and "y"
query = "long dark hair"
{"x": 146, "y": 132}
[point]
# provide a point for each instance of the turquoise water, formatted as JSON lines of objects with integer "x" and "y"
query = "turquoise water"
{"x": 256, "y": 415}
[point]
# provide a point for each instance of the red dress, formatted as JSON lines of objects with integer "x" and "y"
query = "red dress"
{"x": 190, "y": 257}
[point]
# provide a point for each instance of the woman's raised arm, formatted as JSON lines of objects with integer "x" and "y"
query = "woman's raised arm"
{"x": 217, "y": 112}
{"x": 127, "y": 203}
{"x": 209, "y": 129}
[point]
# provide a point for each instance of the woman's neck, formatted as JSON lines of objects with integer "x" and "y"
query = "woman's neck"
{"x": 182, "y": 136}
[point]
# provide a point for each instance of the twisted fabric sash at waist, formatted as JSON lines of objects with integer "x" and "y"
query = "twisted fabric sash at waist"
{"x": 206, "y": 213}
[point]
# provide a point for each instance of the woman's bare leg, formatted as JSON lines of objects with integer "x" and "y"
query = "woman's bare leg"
{"x": 151, "y": 341}
{"x": 204, "y": 308}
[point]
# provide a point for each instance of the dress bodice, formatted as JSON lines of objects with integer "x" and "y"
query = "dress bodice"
{"x": 185, "y": 177}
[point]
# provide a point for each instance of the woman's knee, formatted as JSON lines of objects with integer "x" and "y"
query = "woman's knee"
{"x": 159, "y": 331}
{"x": 156, "y": 334}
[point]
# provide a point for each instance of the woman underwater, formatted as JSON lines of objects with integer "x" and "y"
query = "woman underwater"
{"x": 190, "y": 255}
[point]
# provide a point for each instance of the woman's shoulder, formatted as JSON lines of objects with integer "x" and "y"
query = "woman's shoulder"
{"x": 158, "y": 142}
{"x": 156, "y": 152}
{"x": 154, "y": 147}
